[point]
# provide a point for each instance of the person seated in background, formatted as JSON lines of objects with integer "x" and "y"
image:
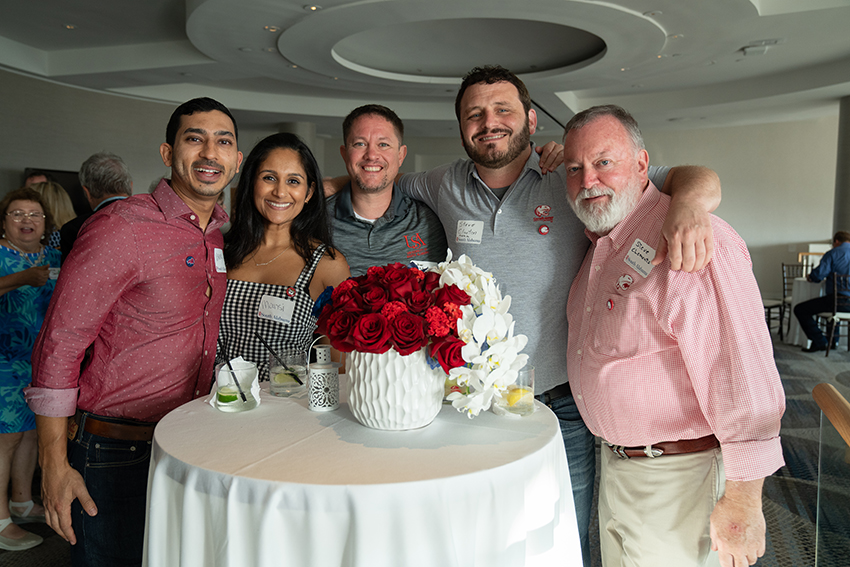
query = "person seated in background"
{"x": 278, "y": 252}
{"x": 25, "y": 291}
{"x": 673, "y": 370}
{"x": 61, "y": 209}
{"x": 836, "y": 261}
{"x": 373, "y": 222}
{"x": 105, "y": 179}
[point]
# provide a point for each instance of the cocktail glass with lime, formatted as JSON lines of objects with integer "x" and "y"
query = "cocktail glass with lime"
{"x": 228, "y": 397}
{"x": 282, "y": 381}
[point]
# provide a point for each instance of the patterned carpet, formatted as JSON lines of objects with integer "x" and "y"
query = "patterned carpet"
{"x": 790, "y": 496}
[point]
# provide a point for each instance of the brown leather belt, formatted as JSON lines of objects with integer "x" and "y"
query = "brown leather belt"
{"x": 555, "y": 393}
{"x": 667, "y": 448}
{"x": 120, "y": 431}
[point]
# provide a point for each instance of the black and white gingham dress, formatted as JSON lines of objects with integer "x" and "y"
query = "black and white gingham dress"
{"x": 239, "y": 320}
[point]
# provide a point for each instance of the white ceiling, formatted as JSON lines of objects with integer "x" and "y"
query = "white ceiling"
{"x": 673, "y": 63}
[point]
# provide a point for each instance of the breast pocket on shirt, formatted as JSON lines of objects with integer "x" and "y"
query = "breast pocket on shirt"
{"x": 618, "y": 331}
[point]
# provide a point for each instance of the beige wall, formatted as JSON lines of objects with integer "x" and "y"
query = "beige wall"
{"x": 778, "y": 179}
{"x": 778, "y": 184}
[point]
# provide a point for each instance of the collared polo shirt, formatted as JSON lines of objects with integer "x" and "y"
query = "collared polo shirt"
{"x": 407, "y": 231}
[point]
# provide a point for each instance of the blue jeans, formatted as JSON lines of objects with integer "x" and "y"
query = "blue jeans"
{"x": 581, "y": 457}
{"x": 116, "y": 476}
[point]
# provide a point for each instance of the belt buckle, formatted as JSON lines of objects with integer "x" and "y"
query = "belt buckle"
{"x": 619, "y": 450}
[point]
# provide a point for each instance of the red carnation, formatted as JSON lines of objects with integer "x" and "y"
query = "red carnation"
{"x": 392, "y": 309}
{"x": 438, "y": 323}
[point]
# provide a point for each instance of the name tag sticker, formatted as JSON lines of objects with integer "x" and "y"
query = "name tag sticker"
{"x": 53, "y": 273}
{"x": 640, "y": 257}
{"x": 469, "y": 231}
{"x": 276, "y": 309}
{"x": 218, "y": 254}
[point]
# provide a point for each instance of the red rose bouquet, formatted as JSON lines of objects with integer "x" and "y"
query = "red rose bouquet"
{"x": 396, "y": 307}
{"x": 455, "y": 310}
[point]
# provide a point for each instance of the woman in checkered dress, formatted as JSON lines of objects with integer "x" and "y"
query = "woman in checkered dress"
{"x": 278, "y": 252}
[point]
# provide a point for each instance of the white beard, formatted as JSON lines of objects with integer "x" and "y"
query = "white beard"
{"x": 601, "y": 219}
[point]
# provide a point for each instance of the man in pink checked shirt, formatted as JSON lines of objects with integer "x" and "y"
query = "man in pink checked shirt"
{"x": 144, "y": 286}
{"x": 673, "y": 370}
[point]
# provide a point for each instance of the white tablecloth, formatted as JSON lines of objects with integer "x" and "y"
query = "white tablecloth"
{"x": 803, "y": 290}
{"x": 281, "y": 485}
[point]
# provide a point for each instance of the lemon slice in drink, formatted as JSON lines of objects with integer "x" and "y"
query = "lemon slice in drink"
{"x": 516, "y": 395}
{"x": 227, "y": 394}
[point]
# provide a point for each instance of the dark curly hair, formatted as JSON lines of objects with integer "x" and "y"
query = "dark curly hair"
{"x": 28, "y": 194}
{"x": 248, "y": 225}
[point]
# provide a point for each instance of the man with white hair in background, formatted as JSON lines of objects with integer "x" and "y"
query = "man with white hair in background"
{"x": 105, "y": 179}
{"x": 673, "y": 370}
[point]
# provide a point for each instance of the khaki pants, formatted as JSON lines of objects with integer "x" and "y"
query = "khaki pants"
{"x": 655, "y": 512}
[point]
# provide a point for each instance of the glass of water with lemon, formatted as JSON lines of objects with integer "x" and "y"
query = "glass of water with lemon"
{"x": 519, "y": 399}
{"x": 282, "y": 381}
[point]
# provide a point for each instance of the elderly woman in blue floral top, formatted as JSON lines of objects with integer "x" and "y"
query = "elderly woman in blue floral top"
{"x": 26, "y": 284}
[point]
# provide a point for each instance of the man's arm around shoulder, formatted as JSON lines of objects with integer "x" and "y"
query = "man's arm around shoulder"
{"x": 687, "y": 235}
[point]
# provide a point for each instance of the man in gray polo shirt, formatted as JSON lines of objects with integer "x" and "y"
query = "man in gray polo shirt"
{"x": 373, "y": 223}
{"x": 512, "y": 218}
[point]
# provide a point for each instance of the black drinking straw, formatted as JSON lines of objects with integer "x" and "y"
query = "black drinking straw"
{"x": 276, "y": 357}
{"x": 236, "y": 379}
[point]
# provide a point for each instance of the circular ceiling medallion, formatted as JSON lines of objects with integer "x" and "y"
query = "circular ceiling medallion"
{"x": 449, "y": 48}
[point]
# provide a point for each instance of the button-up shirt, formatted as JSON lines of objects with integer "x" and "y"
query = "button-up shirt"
{"x": 834, "y": 261}
{"x": 669, "y": 355}
{"x": 143, "y": 287}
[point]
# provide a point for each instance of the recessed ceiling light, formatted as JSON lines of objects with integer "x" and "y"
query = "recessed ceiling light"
{"x": 70, "y": 27}
{"x": 624, "y": 68}
{"x": 270, "y": 49}
{"x": 653, "y": 13}
{"x": 271, "y": 28}
{"x": 294, "y": 66}
{"x": 662, "y": 55}
{"x": 676, "y": 36}
{"x": 312, "y": 8}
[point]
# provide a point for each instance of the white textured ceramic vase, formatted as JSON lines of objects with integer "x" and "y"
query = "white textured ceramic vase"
{"x": 394, "y": 392}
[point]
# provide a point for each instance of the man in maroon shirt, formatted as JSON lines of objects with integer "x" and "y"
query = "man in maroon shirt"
{"x": 144, "y": 286}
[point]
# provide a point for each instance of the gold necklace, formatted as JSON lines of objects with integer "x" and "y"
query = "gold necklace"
{"x": 258, "y": 264}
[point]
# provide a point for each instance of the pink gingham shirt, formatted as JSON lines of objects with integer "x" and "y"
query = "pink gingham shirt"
{"x": 135, "y": 286}
{"x": 674, "y": 355}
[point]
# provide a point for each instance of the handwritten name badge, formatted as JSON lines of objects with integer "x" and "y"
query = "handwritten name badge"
{"x": 219, "y": 261}
{"x": 469, "y": 231}
{"x": 640, "y": 257}
{"x": 276, "y": 309}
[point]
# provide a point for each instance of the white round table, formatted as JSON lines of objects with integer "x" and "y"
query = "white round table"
{"x": 281, "y": 485}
